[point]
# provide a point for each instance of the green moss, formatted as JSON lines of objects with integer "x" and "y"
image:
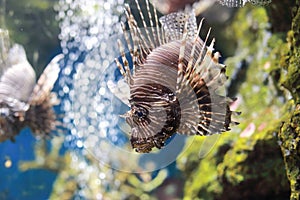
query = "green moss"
{"x": 199, "y": 163}
{"x": 290, "y": 146}
{"x": 254, "y": 164}
{"x": 290, "y": 131}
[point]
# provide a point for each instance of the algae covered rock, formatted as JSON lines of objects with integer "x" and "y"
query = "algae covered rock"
{"x": 290, "y": 132}
{"x": 253, "y": 169}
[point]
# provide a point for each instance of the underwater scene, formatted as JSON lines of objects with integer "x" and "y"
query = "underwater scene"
{"x": 150, "y": 99}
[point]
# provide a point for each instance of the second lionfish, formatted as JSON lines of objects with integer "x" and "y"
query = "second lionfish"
{"x": 23, "y": 101}
{"x": 175, "y": 81}
{"x": 240, "y": 3}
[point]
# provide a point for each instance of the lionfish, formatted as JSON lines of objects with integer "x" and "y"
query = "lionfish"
{"x": 23, "y": 101}
{"x": 174, "y": 81}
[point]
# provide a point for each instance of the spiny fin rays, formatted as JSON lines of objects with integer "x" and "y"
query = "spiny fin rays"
{"x": 198, "y": 75}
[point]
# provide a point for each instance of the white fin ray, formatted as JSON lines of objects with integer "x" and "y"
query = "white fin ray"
{"x": 46, "y": 81}
{"x": 146, "y": 29}
{"x": 198, "y": 82}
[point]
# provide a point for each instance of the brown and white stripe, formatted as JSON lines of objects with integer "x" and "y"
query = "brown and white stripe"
{"x": 173, "y": 80}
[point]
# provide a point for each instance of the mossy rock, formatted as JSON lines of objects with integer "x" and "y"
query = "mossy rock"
{"x": 254, "y": 169}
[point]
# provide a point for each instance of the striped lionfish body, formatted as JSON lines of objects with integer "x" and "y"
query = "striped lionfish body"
{"x": 174, "y": 80}
{"x": 23, "y": 102}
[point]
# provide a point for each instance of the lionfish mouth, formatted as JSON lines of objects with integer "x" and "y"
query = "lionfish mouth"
{"x": 153, "y": 118}
{"x": 173, "y": 81}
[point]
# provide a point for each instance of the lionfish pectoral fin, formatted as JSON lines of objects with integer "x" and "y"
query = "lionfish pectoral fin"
{"x": 120, "y": 89}
{"x": 203, "y": 110}
{"x": 46, "y": 81}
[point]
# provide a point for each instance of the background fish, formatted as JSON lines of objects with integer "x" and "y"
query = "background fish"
{"x": 174, "y": 82}
{"x": 240, "y": 3}
{"x": 169, "y": 6}
{"x": 23, "y": 102}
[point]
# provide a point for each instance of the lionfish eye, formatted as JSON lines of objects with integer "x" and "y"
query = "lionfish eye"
{"x": 139, "y": 114}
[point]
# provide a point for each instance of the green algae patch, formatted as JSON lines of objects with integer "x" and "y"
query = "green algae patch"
{"x": 200, "y": 169}
{"x": 290, "y": 132}
{"x": 290, "y": 146}
{"x": 254, "y": 169}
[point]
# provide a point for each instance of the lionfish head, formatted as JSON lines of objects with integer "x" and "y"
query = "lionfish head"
{"x": 153, "y": 118}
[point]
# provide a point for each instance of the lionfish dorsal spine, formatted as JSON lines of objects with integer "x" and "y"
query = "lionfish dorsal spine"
{"x": 160, "y": 39}
{"x": 180, "y": 70}
{"x": 190, "y": 62}
{"x": 133, "y": 48}
{"x": 150, "y": 43}
{"x": 194, "y": 66}
{"x": 124, "y": 67}
{"x": 151, "y": 20}
{"x": 139, "y": 44}
{"x": 205, "y": 54}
